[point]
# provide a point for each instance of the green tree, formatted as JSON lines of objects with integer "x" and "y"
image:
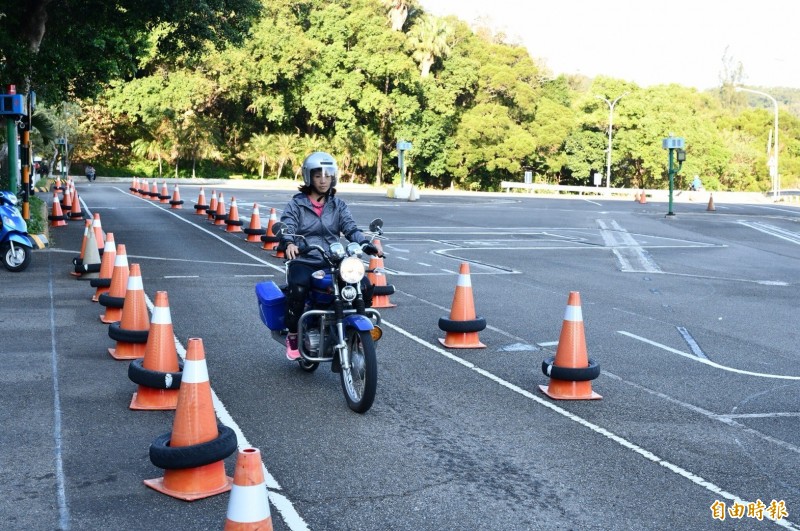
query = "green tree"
{"x": 59, "y": 47}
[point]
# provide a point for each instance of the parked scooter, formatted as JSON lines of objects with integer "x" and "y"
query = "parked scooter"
{"x": 15, "y": 244}
{"x": 336, "y": 327}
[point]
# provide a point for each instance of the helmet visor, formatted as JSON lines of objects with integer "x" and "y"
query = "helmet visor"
{"x": 327, "y": 173}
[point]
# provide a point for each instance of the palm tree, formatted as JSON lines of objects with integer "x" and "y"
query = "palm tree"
{"x": 283, "y": 150}
{"x": 156, "y": 148}
{"x": 398, "y": 13}
{"x": 258, "y": 150}
{"x": 429, "y": 40}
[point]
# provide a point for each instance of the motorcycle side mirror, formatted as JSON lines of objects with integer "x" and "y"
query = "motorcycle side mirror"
{"x": 376, "y": 225}
{"x": 278, "y": 229}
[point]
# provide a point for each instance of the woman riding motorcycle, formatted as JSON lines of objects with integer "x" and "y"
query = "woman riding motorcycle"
{"x": 321, "y": 218}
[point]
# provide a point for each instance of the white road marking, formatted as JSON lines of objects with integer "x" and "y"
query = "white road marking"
{"x": 706, "y": 361}
{"x": 626, "y": 249}
{"x": 772, "y": 230}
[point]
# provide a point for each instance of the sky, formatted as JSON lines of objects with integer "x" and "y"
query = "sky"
{"x": 649, "y": 42}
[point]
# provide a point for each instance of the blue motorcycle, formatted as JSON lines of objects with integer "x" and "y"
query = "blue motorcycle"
{"x": 16, "y": 247}
{"x": 336, "y": 326}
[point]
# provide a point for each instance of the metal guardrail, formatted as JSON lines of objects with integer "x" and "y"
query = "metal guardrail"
{"x": 787, "y": 196}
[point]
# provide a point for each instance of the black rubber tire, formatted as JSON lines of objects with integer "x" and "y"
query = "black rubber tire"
{"x": 362, "y": 404}
{"x": 176, "y": 203}
{"x": 236, "y": 222}
{"x": 248, "y": 231}
{"x": 154, "y": 379}
{"x": 51, "y": 217}
{"x": 108, "y": 301}
{"x": 462, "y": 327}
{"x": 118, "y": 333}
{"x": 567, "y": 374}
{"x": 202, "y": 208}
{"x": 100, "y": 282}
{"x": 383, "y": 290}
{"x": 270, "y": 239}
{"x": 91, "y": 268}
{"x": 168, "y": 457}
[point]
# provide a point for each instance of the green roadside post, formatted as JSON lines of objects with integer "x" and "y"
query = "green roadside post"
{"x": 675, "y": 146}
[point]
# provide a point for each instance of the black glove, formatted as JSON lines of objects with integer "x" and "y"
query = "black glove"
{"x": 371, "y": 249}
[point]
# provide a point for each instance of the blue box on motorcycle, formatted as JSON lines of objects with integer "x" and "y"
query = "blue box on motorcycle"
{"x": 271, "y": 304}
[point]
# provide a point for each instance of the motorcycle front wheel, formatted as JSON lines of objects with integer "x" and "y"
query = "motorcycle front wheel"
{"x": 360, "y": 381}
{"x": 16, "y": 259}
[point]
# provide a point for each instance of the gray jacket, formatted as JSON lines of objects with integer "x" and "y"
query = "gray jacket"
{"x": 336, "y": 220}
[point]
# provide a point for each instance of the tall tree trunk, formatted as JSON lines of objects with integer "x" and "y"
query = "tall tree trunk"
{"x": 35, "y": 22}
{"x": 381, "y": 143}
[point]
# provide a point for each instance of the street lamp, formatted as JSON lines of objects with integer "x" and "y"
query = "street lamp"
{"x": 610, "y": 124}
{"x": 773, "y": 162}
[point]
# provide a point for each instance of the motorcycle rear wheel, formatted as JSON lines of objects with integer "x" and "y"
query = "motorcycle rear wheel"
{"x": 360, "y": 381}
{"x": 16, "y": 260}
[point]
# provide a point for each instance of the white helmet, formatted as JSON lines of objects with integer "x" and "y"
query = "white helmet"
{"x": 323, "y": 161}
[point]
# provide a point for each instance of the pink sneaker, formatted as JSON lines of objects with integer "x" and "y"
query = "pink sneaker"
{"x": 292, "y": 352}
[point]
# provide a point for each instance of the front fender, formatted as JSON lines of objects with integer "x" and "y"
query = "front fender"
{"x": 359, "y": 322}
{"x": 18, "y": 237}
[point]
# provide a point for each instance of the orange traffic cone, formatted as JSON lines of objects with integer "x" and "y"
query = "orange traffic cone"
{"x": 103, "y": 281}
{"x": 270, "y": 240}
{"x": 164, "y": 196}
{"x": 571, "y": 371}
{"x": 66, "y": 201}
{"x": 57, "y": 217}
{"x": 78, "y": 261}
{"x": 154, "y": 195}
{"x": 220, "y": 217}
{"x": 463, "y": 326}
{"x": 254, "y": 231}
{"x": 133, "y": 328}
{"x": 157, "y": 373}
{"x": 200, "y": 472}
{"x": 711, "y": 207}
{"x": 211, "y": 211}
{"x": 200, "y": 207}
{"x": 376, "y": 275}
{"x": 176, "y": 202}
{"x": 75, "y": 212}
{"x": 115, "y": 298}
{"x": 233, "y": 223}
{"x": 99, "y": 235}
{"x": 134, "y": 187}
{"x": 248, "y": 506}
{"x": 643, "y": 198}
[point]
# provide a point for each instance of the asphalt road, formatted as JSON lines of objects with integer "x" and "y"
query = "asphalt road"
{"x": 692, "y": 318}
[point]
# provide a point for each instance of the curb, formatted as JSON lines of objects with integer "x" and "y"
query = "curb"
{"x": 40, "y": 240}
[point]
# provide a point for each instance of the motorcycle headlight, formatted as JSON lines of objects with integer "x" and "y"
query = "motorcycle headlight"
{"x": 351, "y": 270}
